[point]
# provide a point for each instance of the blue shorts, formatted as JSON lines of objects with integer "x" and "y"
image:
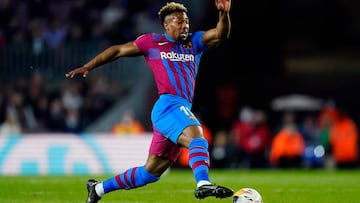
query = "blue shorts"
{"x": 171, "y": 115}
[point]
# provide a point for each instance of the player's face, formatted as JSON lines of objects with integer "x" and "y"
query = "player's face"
{"x": 177, "y": 26}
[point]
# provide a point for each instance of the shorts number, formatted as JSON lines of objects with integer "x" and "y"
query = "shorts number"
{"x": 187, "y": 112}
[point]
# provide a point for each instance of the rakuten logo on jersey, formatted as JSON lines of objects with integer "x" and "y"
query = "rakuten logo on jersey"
{"x": 173, "y": 56}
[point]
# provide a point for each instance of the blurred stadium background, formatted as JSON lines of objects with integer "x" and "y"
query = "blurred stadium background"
{"x": 308, "y": 50}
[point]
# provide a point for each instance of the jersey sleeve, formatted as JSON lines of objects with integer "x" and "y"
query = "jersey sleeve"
{"x": 142, "y": 42}
{"x": 197, "y": 41}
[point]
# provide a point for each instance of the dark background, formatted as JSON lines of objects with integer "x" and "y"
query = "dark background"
{"x": 282, "y": 47}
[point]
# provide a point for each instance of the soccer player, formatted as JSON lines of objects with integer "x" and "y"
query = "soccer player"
{"x": 173, "y": 58}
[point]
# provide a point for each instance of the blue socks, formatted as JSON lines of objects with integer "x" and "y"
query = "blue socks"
{"x": 131, "y": 178}
{"x": 199, "y": 159}
{"x": 138, "y": 176}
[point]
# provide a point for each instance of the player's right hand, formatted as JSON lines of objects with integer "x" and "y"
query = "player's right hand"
{"x": 82, "y": 70}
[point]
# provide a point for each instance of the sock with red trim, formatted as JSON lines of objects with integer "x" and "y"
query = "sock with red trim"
{"x": 199, "y": 160}
{"x": 130, "y": 179}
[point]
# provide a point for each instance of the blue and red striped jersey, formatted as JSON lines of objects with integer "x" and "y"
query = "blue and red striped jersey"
{"x": 173, "y": 64}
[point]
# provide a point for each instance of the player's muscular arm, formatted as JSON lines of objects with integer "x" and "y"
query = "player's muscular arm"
{"x": 112, "y": 53}
{"x": 108, "y": 55}
{"x": 214, "y": 36}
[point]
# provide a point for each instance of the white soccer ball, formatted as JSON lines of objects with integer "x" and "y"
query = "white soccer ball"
{"x": 247, "y": 195}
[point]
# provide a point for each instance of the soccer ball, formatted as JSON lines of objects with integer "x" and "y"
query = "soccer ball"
{"x": 247, "y": 195}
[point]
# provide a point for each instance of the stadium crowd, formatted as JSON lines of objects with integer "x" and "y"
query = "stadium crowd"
{"x": 52, "y": 23}
{"x": 326, "y": 138}
{"x": 28, "y": 106}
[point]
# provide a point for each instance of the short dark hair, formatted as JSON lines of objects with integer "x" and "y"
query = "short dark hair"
{"x": 170, "y": 8}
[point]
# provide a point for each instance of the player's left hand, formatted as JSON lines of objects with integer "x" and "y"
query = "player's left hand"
{"x": 223, "y": 5}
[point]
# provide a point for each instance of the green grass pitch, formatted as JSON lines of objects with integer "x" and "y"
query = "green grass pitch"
{"x": 177, "y": 186}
